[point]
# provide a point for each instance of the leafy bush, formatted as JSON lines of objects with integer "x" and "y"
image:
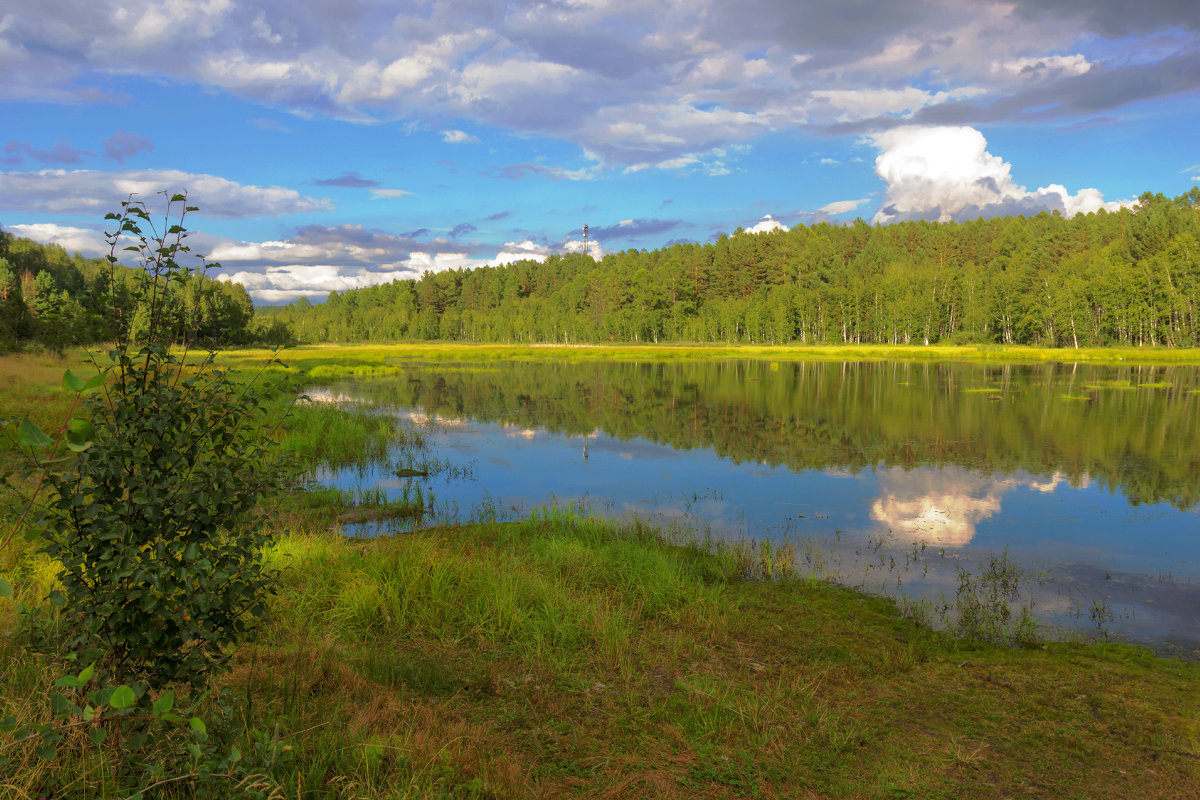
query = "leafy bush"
{"x": 153, "y": 519}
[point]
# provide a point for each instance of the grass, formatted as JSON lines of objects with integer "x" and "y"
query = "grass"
{"x": 322, "y": 433}
{"x": 569, "y": 656}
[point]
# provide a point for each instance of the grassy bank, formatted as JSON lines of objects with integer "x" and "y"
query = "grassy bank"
{"x": 568, "y": 656}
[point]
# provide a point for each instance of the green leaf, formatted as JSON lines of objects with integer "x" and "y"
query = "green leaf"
{"x": 80, "y": 434}
{"x": 165, "y": 703}
{"x": 6, "y": 588}
{"x": 85, "y": 674}
{"x": 60, "y": 705}
{"x": 123, "y": 697}
{"x": 49, "y": 752}
{"x": 30, "y": 435}
{"x": 178, "y": 198}
{"x": 98, "y": 735}
{"x": 198, "y": 726}
{"x": 69, "y": 681}
{"x": 73, "y": 381}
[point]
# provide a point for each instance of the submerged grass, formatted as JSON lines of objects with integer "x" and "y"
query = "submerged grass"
{"x": 322, "y": 433}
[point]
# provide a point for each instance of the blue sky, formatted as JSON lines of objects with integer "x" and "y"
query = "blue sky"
{"x": 339, "y": 144}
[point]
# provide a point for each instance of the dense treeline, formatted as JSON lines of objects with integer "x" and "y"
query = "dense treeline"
{"x": 57, "y": 300}
{"x": 1125, "y": 278}
{"x": 1130, "y": 429}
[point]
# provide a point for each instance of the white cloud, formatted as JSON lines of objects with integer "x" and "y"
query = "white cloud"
{"x": 386, "y": 194}
{"x": 1045, "y": 66}
{"x": 93, "y": 192}
{"x": 840, "y": 207}
{"x": 319, "y": 260}
{"x": 595, "y": 250}
{"x": 73, "y": 240}
{"x": 459, "y": 137}
{"x": 510, "y": 78}
{"x": 285, "y": 283}
{"x": 639, "y": 83}
{"x": 947, "y": 173}
{"x": 766, "y": 225}
{"x": 521, "y": 251}
{"x": 865, "y": 103}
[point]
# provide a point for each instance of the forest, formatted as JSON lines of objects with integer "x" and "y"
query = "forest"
{"x": 1128, "y": 278}
{"x": 56, "y": 300}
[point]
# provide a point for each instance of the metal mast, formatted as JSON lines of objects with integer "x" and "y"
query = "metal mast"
{"x": 586, "y": 252}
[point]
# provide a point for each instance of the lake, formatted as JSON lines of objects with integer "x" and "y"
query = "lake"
{"x": 887, "y": 476}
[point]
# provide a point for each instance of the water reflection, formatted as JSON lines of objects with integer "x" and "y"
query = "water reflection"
{"x": 1131, "y": 429}
{"x": 860, "y": 461}
{"x": 938, "y": 506}
{"x": 943, "y": 506}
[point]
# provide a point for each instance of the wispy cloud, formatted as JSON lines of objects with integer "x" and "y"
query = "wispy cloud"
{"x": 516, "y": 172}
{"x": 390, "y": 194}
{"x": 840, "y": 207}
{"x": 60, "y": 153}
{"x": 124, "y": 144}
{"x": 350, "y": 180}
{"x": 93, "y": 192}
{"x": 459, "y": 137}
{"x": 635, "y": 228}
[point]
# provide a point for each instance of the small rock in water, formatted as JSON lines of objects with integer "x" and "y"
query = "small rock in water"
{"x": 406, "y": 472}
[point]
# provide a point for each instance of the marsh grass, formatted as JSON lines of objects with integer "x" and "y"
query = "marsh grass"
{"x": 330, "y": 435}
{"x": 321, "y": 363}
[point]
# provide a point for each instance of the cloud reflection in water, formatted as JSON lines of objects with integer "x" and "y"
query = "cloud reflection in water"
{"x": 943, "y": 506}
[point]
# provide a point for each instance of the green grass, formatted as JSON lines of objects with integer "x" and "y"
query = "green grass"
{"x": 567, "y": 656}
{"x": 572, "y": 657}
{"x": 323, "y": 433}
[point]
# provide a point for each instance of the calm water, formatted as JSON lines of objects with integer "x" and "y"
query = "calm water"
{"x": 886, "y": 476}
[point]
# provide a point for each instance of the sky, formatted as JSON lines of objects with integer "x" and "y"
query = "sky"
{"x": 331, "y": 144}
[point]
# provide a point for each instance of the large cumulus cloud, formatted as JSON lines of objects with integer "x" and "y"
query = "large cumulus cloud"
{"x": 947, "y": 173}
